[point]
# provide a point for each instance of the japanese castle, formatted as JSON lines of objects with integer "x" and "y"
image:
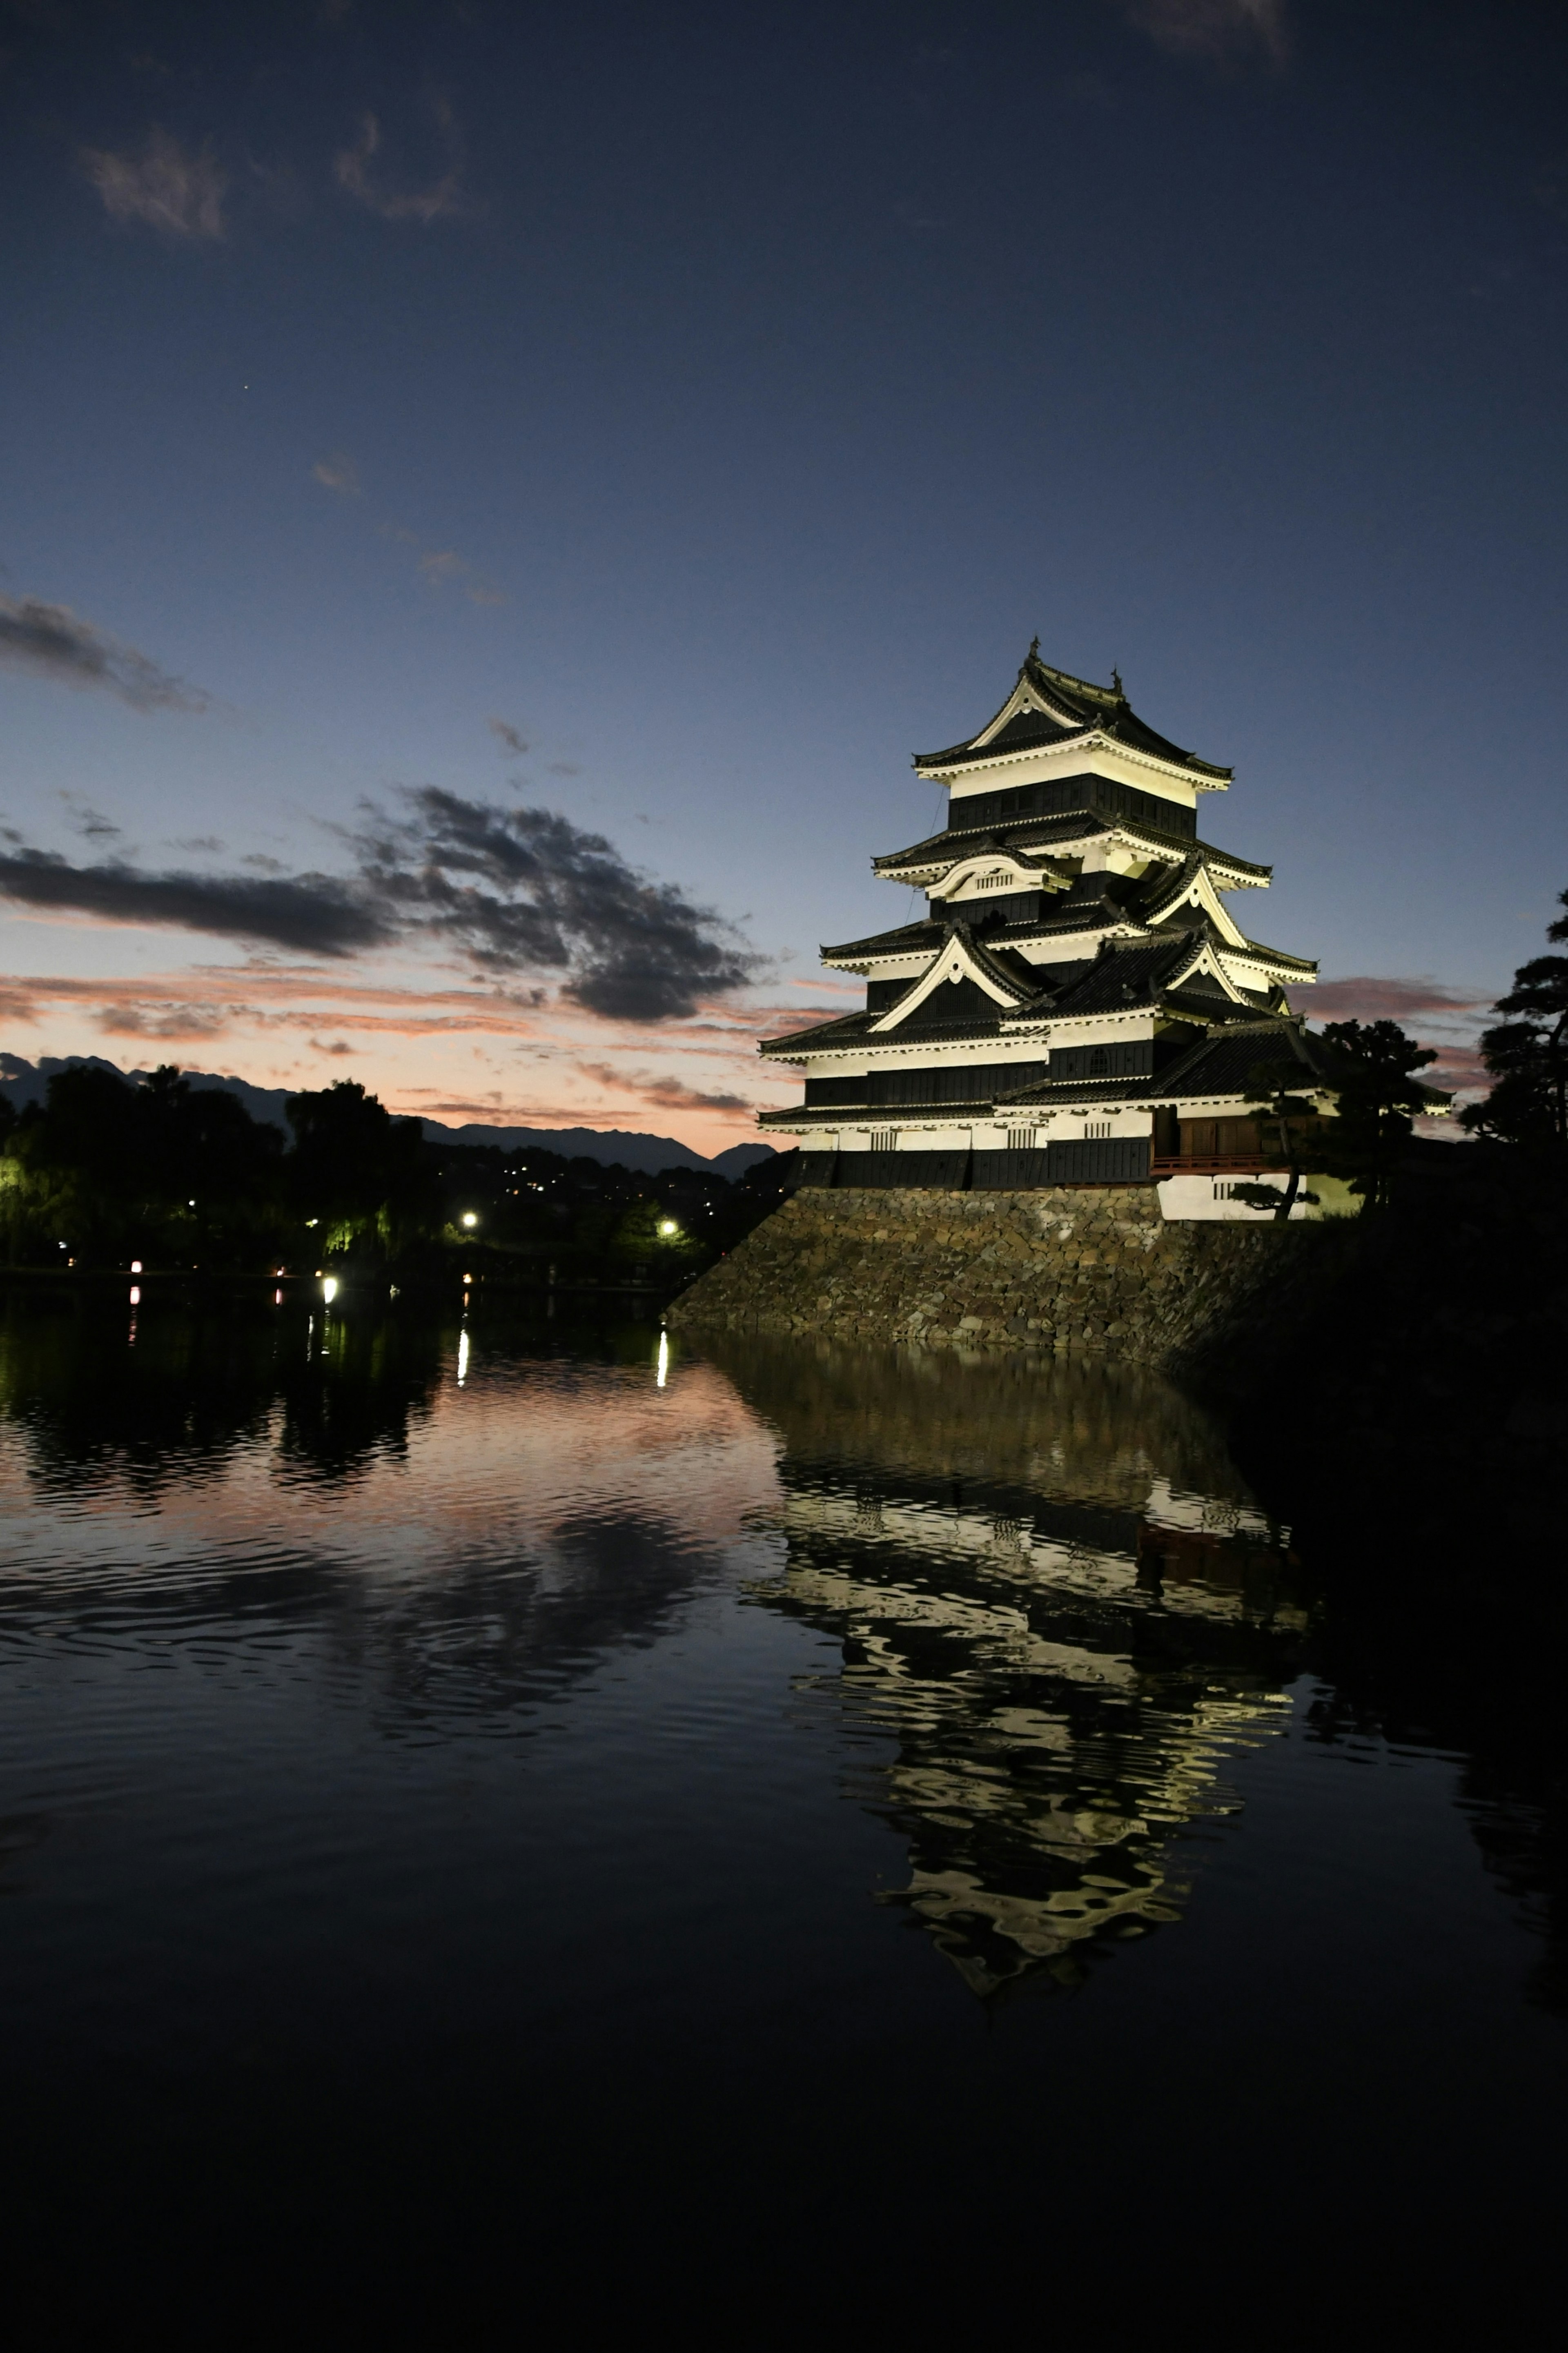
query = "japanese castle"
{"x": 1078, "y": 1004}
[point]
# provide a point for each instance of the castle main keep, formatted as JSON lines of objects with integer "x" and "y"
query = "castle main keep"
{"x": 1078, "y": 1006}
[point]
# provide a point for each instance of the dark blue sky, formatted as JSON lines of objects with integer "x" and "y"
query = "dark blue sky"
{"x": 721, "y": 398}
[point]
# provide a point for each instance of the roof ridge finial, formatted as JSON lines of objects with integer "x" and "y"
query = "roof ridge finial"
{"x": 1116, "y": 683}
{"x": 1034, "y": 647}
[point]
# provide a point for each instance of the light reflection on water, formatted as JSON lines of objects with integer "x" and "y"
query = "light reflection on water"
{"x": 457, "y": 1700}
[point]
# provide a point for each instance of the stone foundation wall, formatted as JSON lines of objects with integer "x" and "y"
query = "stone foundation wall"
{"x": 1063, "y": 1269}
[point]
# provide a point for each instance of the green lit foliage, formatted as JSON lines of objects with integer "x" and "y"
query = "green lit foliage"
{"x": 358, "y": 1178}
{"x": 1527, "y": 1055}
{"x": 1371, "y": 1071}
{"x": 648, "y": 1234}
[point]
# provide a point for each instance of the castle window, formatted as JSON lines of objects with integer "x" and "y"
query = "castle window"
{"x": 884, "y": 1139}
{"x": 1093, "y": 1129}
{"x": 1098, "y": 1063}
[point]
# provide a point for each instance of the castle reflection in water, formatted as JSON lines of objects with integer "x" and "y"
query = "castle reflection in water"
{"x": 1059, "y": 1607}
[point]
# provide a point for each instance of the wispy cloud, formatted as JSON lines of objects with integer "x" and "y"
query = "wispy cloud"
{"x": 360, "y": 170}
{"x": 90, "y": 822}
{"x": 164, "y": 186}
{"x": 444, "y": 564}
{"x": 338, "y": 473}
{"x": 443, "y": 567}
{"x": 412, "y": 1042}
{"x": 509, "y": 738}
{"x": 1368, "y": 999}
{"x": 171, "y": 1021}
{"x": 317, "y": 913}
{"x": 662, "y": 1094}
{"x": 1222, "y": 30}
{"x": 55, "y": 642}
{"x": 1450, "y": 1020}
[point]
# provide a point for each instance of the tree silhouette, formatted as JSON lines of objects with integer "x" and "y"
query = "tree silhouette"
{"x": 1278, "y": 1107}
{"x": 359, "y": 1177}
{"x": 1527, "y": 1057}
{"x": 1371, "y": 1070}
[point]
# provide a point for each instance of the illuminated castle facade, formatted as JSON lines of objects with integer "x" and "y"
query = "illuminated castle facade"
{"x": 1078, "y": 1004}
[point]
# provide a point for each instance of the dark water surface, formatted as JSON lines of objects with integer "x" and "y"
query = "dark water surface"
{"x": 497, "y": 1820}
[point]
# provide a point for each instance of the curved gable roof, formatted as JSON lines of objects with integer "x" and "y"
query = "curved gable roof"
{"x": 1051, "y": 706}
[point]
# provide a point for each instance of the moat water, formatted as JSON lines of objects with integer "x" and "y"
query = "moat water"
{"x": 498, "y": 1816}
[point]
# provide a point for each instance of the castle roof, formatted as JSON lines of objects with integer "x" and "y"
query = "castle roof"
{"x": 1040, "y": 836}
{"x": 1170, "y": 975}
{"x": 1048, "y": 707}
{"x": 1100, "y": 904}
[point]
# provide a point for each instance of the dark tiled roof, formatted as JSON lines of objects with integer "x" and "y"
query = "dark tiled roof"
{"x": 1279, "y": 955}
{"x": 1041, "y": 833}
{"x": 1221, "y": 1063}
{"x": 1125, "y": 973}
{"x": 871, "y": 1114}
{"x": 1085, "y": 705}
{"x": 843, "y": 1031}
{"x": 1224, "y": 1062}
{"x": 1074, "y": 911}
{"x": 907, "y": 939}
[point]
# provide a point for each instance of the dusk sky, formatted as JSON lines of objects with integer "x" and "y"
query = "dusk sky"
{"x": 494, "y": 497}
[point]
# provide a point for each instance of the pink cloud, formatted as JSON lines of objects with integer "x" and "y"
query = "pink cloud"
{"x": 664, "y": 1093}
{"x": 1371, "y": 999}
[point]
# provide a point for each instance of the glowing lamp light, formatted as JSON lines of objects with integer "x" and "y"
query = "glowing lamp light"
{"x": 329, "y": 1289}
{"x": 470, "y": 1219}
{"x": 667, "y": 1225}
{"x": 467, "y": 1278}
{"x": 135, "y": 1266}
{"x": 462, "y": 1359}
{"x": 663, "y": 1373}
{"x": 136, "y": 1295}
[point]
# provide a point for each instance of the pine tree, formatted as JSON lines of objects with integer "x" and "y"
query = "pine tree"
{"x": 1371, "y": 1069}
{"x": 1280, "y": 1112}
{"x": 1527, "y": 1055}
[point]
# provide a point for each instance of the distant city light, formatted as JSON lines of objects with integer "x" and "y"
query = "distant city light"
{"x": 470, "y": 1219}
{"x": 329, "y": 1289}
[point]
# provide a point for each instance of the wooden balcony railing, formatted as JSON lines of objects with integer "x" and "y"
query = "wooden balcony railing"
{"x": 1211, "y": 1163}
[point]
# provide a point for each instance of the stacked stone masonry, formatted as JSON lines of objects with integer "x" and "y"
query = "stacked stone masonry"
{"x": 1060, "y": 1268}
